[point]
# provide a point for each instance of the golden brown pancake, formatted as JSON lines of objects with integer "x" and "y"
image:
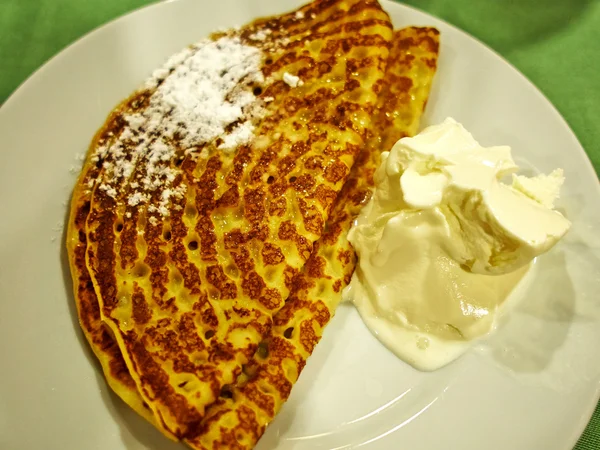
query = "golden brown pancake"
{"x": 238, "y": 421}
{"x": 192, "y": 240}
{"x": 238, "y": 418}
{"x": 404, "y": 78}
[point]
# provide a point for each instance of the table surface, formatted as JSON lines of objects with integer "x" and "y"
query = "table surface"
{"x": 556, "y": 44}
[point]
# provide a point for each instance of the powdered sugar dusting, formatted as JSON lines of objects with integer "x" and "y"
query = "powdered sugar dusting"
{"x": 260, "y": 35}
{"x": 200, "y": 94}
{"x": 197, "y": 91}
{"x": 292, "y": 80}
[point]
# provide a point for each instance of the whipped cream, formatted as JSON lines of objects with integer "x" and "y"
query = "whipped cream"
{"x": 443, "y": 242}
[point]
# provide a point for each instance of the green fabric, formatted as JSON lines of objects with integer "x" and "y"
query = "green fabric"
{"x": 555, "y": 43}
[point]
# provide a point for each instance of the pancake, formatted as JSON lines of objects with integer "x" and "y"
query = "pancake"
{"x": 195, "y": 228}
{"x": 239, "y": 421}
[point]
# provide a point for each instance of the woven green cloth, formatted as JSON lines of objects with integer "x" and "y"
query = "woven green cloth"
{"x": 555, "y": 43}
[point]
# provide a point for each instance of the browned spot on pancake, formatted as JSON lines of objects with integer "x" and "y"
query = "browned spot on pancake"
{"x": 263, "y": 162}
{"x": 279, "y": 187}
{"x": 345, "y": 256}
{"x": 286, "y": 313}
{"x": 182, "y": 364}
{"x": 337, "y": 286}
{"x": 287, "y": 231}
{"x": 227, "y": 440}
{"x": 378, "y": 86}
{"x": 320, "y": 313}
{"x": 326, "y": 196}
{"x": 271, "y": 298}
{"x": 253, "y": 285}
{"x": 128, "y": 252}
{"x": 247, "y": 422}
{"x": 277, "y": 206}
{"x": 252, "y": 318}
{"x": 205, "y": 203}
{"x": 229, "y": 199}
{"x": 335, "y": 227}
{"x": 304, "y": 183}
{"x": 361, "y": 197}
{"x": 118, "y": 368}
{"x": 216, "y": 276}
{"x": 156, "y": 258}
{"x": 423, "y": 40}
{"x": 353, "y": 65}
{"x": 286, "y": 165}
{"x": 314, "y": 162}
{"x": 316, "y": 70}
{"x": 234, "y": 239}
{"x": 187, "y": 334}
{"x": 272, "y": 255}
{"x": 289, "y": 273}
{"x": 315, "y": 266}
{"x": 140, "y": 310}
{"x": 302, "y": 283}
{"x": 287, "y": 58}
{"x": 242, "y": 157}
{"x": 279, "y": 349}
{"x": 333, "y": 46}
{"x": 254, "y": 205}
{"x": 349, "y": 149}
{"x": 158, "y": 381}
{"x": 259, "y": 233}
{"x": 188, "y": 271}
{"x": 312, "y": 217}
{"x": 431, "y": 62}
{"x": 308, "y": 337}
{"x": 208, "y": 238}
{"x": 207, "y": 313}
{"x": 347, "y": 278}
{"x": 220, "y": 352}
{"x": 81, "y": 215}
{"x": 105, "y": 252}
{"x": 318, "y": 309}
{"x": 351, "y": 85}
{"x": 89, "y": 313}
{"x": 263, "y": 401}
{"x": 336, "y": 171}
{"x": 243, "y": 261}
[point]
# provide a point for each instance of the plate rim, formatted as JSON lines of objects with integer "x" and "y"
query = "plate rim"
{"x": 56, "y": 58}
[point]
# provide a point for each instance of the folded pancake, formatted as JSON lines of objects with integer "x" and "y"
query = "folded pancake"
{"x": 238, "y": 420}
{"x": 206, "y": 191}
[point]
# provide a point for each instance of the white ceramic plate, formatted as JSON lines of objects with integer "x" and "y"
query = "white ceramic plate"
{"x": 532, "y": 385}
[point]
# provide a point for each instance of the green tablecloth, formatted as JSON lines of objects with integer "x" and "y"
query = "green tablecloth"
{"x": 555, "y": 43}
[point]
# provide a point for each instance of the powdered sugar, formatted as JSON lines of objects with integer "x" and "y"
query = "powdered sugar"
{"x": 240, "y": 135}
{"x": 292, "y": 80}
{"x": 198, "y": 94}
{"x": 260, "y": 35}
{"x": 136, "y": 198}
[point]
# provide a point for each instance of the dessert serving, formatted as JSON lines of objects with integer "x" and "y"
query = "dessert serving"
{"x": 214, "y": 225}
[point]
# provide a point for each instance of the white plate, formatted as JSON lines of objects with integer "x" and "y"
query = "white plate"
{"x": 532, "y": 385}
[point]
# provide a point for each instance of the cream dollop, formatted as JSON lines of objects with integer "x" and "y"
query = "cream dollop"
{"x": 443, "y": 242}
